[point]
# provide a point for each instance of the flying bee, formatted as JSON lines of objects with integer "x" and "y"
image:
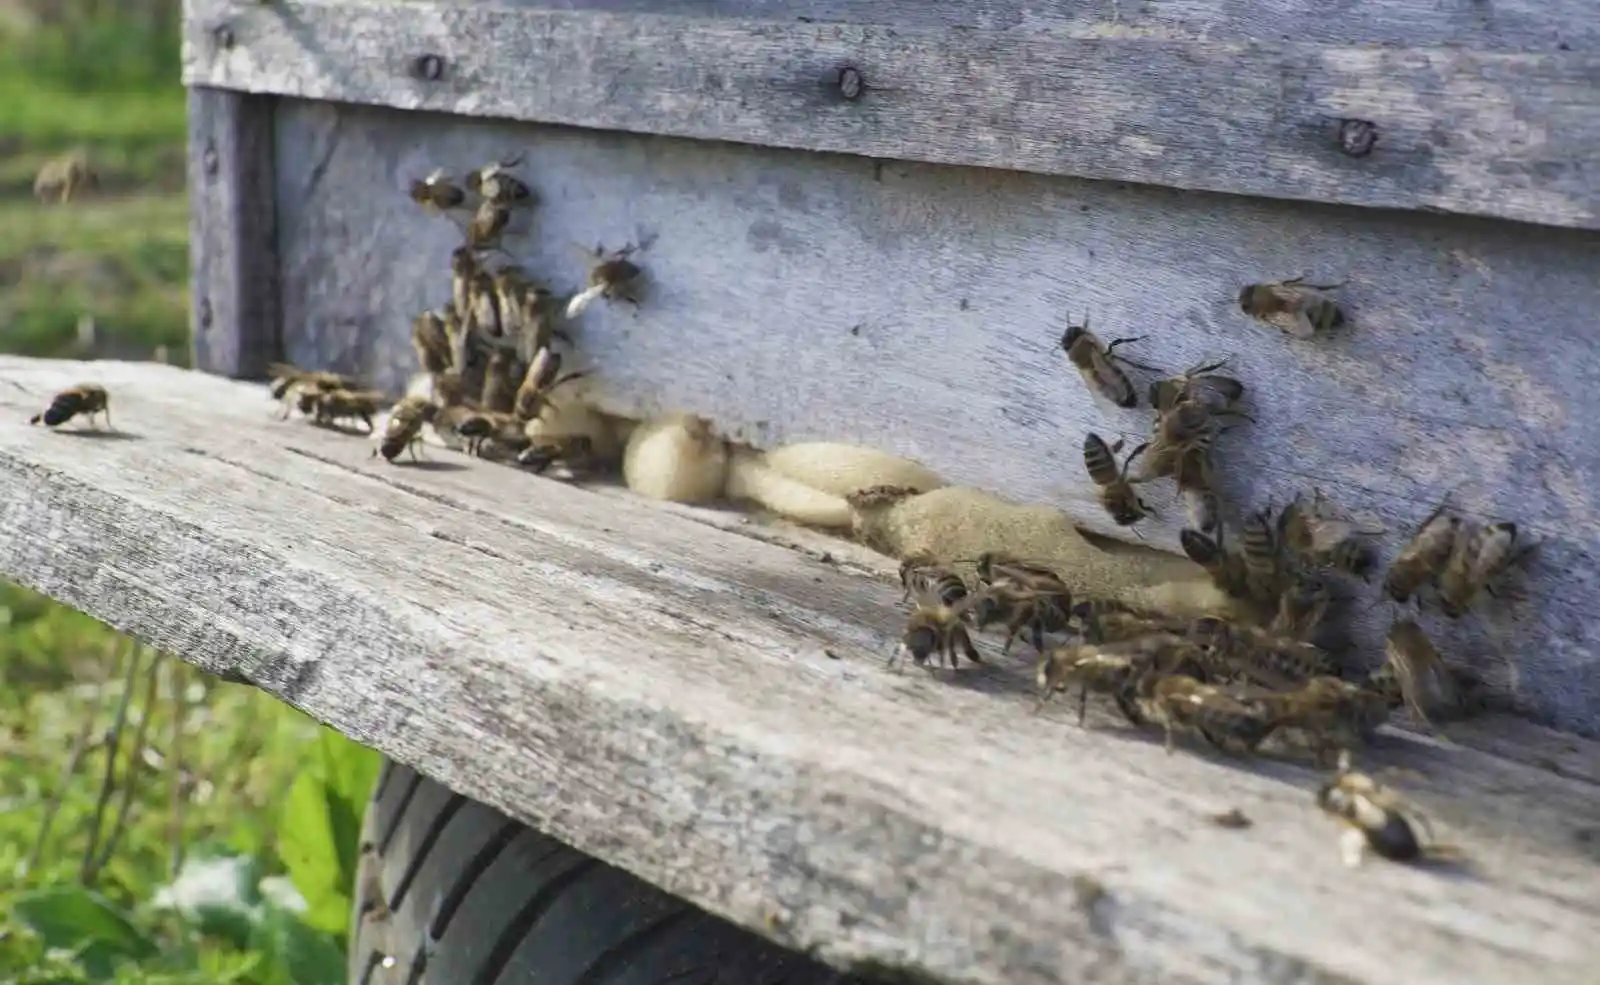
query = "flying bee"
{"x": 539, "y": 381}
{"x": 88, "y": 399}
{"x": 403, "y": 431}
{"x": 488, "y": 223}
{"x": 935, "y": 579}
{"x": 1178, "y": 701}
{"x": 1413, "y": 673}
{"x": 608, "y": 277}
{"x": 1302, "y": 607}
{"x": 431, "y": 341}
{"x": 1480, "y": 556}
{"x": 575, "y": 451}
{"x": 1323, "y": 539}
{"x": 1097, "y": 363}
{"x": 1199, "y": 384}
{"x": 500, "y": 381}
{"x": 1117, "y": 495}
{"x": 496, "y": 184}
{"x": 1292, "y": 306}
{"x": 332, "y": 406}
{"x": 1226, "y": 568}
{"x": 936, "y": 628}
{"x": 437, "y": 193}
{"x": 1418, "y": 564}
{"x": 1114, "y": 668}
{"x": 1376, "y": 818}
{"x": 63, "y": 177}
{"x": 1332, "y": 714}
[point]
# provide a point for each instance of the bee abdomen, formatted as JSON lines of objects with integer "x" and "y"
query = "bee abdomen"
{"x": 61, "y": 409}
{"x": 1325, "y": 314}
{"x": 1394, "y": 839}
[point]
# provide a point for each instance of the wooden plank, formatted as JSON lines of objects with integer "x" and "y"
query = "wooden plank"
{"x": 660, "y": 693}
{"x": 1506, "y": 134}
{"x": 915, "y": 309}
{"x": 235, "y": 321}
{"x": 1515, "y": 25}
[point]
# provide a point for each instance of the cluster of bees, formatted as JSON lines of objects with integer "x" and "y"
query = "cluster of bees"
{"x": 490, "y": 349}
{"x": 1266, "y": 668}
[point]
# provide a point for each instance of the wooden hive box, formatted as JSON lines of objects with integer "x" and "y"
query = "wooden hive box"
{"x": 870, "y": 221}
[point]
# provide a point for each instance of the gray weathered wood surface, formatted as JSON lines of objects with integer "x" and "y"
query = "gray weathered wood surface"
{"x": 234, "y": 295}
{"x": 1509, "y": 133}
{"x": 917, "y": 309}
{"x": 660, "y": 693}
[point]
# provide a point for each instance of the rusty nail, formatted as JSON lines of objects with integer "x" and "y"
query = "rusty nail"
{"x": 1357, "y": 137}
{"x": 224, "y": 36}
{"x": 429, "y": 67}
{"x": 205, "y": 312}
{"x": 208, "y": 160}
{"x": 850, "y": 84}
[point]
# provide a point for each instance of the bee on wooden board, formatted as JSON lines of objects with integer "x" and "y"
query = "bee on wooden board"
{"x": 1294, "y": 307}
{"x": 288, "y": 379}
{"x": 403, "y": 430}
{"x": 1331, "y": 714}
{"x": 609, "y": 277}
{"x": 933, "y": 578}
{"x": 1481, "y": 554}
{"x": 1263, "y": 558}
{"x": 1200, "y": 384}
{"x": 1039, "y": 610}
{"x": 1376, "y": 819}
{"x": 501, "y": 431}
{"x": 332, "y": 406}
{"x": 1424, "y": 556}
{"x": 62, "y": 178}
{"x": 1179, "y": 702}
{"x": 88, "y": 399}
{"x": 1117, "y": 494}
{"x": 538, "y": 381}
{"x": 496, "y": 184}
{"x": 437, "y": 193}
{"x": 1336, "y": 543}
{"x": 1183, "y": 438}
{"x": 936, "y": 628}
{"x": 1112, "y": 670}
{"x": 1236, "y": 649}
{"x": 1096, "y": 362}
{"x": 1414, "y": 674}
{"x": 993, "y": 567}
{"x": 575, "y": 451}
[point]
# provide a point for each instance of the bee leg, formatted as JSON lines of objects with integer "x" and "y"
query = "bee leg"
{"x": 107, "y": 412}
{"x": 1013, "y": 627}
{"x": 367, "y": 420}
{"x": 1352, "y": 846}
{"x": 967, "y": 647}
{"x": 1038, "y": 635}
{"x": 1083, "y": 703}
{"x": 1171, "y": 744}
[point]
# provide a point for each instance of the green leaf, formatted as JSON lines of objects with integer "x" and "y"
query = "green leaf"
{"x": 74, "y": 918}
{"x": 217, "y": 893}
{"x": 320, "y": 831}
{"x": 295, "y": 954}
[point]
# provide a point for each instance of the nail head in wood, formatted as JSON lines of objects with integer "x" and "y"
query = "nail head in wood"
{"x": 850, "y": 84}
{"x": 205, "y": 313}
{"x": 208, "y": 160}
{"x": 429, "y": 68}
{"x": 1357, "y": 137}
{"x": 223, "y": 35}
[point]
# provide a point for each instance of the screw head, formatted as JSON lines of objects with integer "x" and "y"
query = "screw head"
{"x": 1357, "y": 137}
{"x": 428, "y": 67}
{"x": 850, "y": 83}
{"x": 223, "y": 34}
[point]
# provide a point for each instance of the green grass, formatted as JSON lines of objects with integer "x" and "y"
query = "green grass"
{"x": 211, "y": 786}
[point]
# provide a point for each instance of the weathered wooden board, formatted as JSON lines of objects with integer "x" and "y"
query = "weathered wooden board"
{"x": 917, "y": 309}
{"x": 1503, "y": 133}
{"x": 713, "y": 713}
{"x": 233, "y": 237}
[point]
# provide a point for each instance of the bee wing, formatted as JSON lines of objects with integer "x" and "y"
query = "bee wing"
{"x": 1295, "y": 323}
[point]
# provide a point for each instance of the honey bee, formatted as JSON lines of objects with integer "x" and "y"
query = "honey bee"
{"x": 332, "y": 406}
{"x": 288, "y": 380}
{"x": 1226, "y": 568}
{"x": 1202, "y": 509}
{"x": 1121, "y": 625}
{"x": 608, "y": 278}
{"x": 500, "y": 381}
{"x": 1117, "y": 494}
{"x": 1039, "y": 610}
{"x": 464, "y": 267}
{"x": 437, "y": 193}
{"x": 1259, "y": 655}
{"x": 1332, "y": 714}
{"x": 488, "y": 223}
{"x": 1115, "y": 669}
{"x": 1302, "y": 607}
{"x": 538, "y": 382}
{"x": 1087, "y": 613}
{"x": 1414, "y": 673}
{"x": 483, "y": 313}
{"x": 403, "y": 430}
{"x": 1180, "y": 702}
{"x": 63, "y": 177}
{"x": 88, "y": 399}
{"x": 1292, "y": 306}
{"x": 499, "y": 431}
{"x": 1480, "y": 556}
{"x": 993, "y": 568}
{"x": 936, "y": 628}
{"x": 431, "y": 340}
{"x": 497, "y": 185}
{"x": 575, "y": 451}
{"x": 538, "y": 322}
{"x": 1324, "y": 540}
{"x": 1376, "y": 817}
{"x": 935, "y": 579}
{"x": 1181, "y": 444}
{"x": 1199, "y": 384}
{"x": 1419, "y": 562}
{"x": 1096, "y": 362}
{"x": 1263, "y": 561}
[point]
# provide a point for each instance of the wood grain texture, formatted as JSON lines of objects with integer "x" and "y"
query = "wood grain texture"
{"x": 660, "y": 693}
{"x": 235, "y": 315}
{"x": 1508, "y": 134}
{"x": 917, "y": 309}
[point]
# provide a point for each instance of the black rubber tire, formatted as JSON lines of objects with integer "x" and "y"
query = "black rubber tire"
{"x": 452, "y": 892}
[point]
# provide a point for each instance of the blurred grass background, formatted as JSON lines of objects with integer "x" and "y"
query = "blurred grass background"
{"x": 156, "y": 825}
